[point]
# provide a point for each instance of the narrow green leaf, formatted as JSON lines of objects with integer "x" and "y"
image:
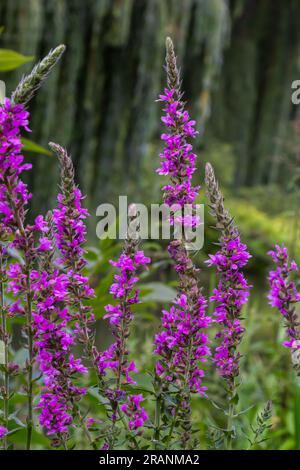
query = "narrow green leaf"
{"x": 33, "y": 147}
{"x": 10, "y": 60}
{"x": 157, "y": 292}
{"x": 13, "y": 431}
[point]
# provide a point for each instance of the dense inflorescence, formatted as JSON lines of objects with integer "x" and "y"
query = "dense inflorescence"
{"x": 70, "y": 236}
{"x": 13, "y": 192}
{"x": 283, "y": 294}
{"x": 232, "y": 291}
{"x": 14, "y": 198}
{"x": 60, "y": 291}
{"x": 184, "y": 323}
{"x": 54, "y": 339}
{"x": 182, "y": 343}
{"x": 114, "y": 362}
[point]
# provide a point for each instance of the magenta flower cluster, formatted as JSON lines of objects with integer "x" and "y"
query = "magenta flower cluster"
{"x": 54, "y": 339}
{"x": 230, "y": 295}
{"x": 182, "y": 342}
{"x": 180, "y": 324}
{"x": 49, "y": 290}
{"x": 177, "y": 159}
{"x": 115, "y": 358}
{"x": 59, "y": 305}
{"x": 70, "y": 236}
{"x": 283, "y": 294}
{"x": 133, "y": 410}
{"x": 14, "y": 198}
{"x": 13, "y": 191}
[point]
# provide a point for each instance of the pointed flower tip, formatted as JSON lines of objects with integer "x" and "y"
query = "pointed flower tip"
{"x": 132, "y": 210}
{"x": 52, "y": 145}
{"x": 209, "y": 173}
{"x": 208, "y": 168}
{"x": 56, "y": 147}
{"x": 60, "y": 49}
{"x": 169, "y": 42}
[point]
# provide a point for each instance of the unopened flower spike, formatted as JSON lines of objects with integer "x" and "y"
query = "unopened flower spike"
{"x": 224, "y": 221}
{"x": 173, "y": 74}
{"x": 30, "y": 83}
{"x": 262, "y": 424}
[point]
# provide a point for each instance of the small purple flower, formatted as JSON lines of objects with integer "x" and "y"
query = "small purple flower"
{"x": 283, "y": 294}
{"x": 3, "y": 432}
{"x": 136, "y": 414}
{"x": 105, "y": 446}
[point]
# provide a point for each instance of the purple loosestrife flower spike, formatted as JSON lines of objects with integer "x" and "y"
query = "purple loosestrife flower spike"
{"x": 70, "y": 235}
{"x": 233, "y": 290}
{"x": 69, "y": 216}
{"x": 284, "y": 296}
{"x": 231, "y": 293}
{"x": 182, "y": 344}
{"x": 53, "y": 339}
{"x": 14, "y": 198}
{"x": 114, "y": 364}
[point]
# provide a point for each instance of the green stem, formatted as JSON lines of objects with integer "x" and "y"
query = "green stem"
{"x": 30, "y": 365}
{"x": 5, "y": 341}
{"x": 20, "y": 226}
{"x": 125, "y": 423}
{"x": 185, "y": 396}
{"x": 172, "y": 427}
{"x": 157, "y": 419}
{"x": 64, "y": 441}
{"x": 231, "y": 412}
{"x": 86, "y": 431}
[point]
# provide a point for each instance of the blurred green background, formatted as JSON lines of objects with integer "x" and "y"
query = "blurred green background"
{"x": 238, "y": 60}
